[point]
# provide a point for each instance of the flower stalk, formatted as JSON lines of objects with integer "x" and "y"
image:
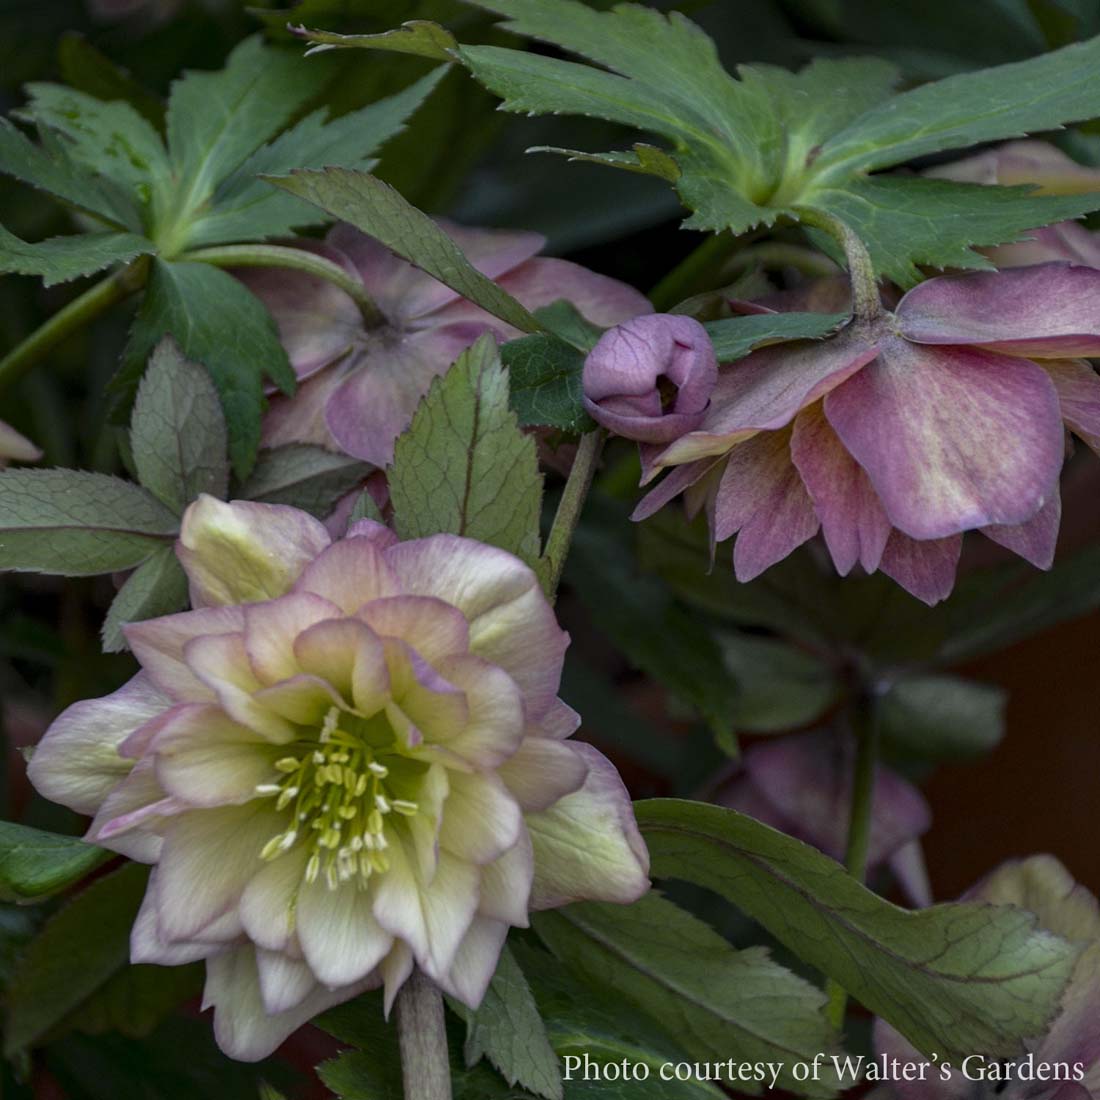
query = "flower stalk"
{"x": 570, "y": 507}
{"x": 866, "y": 303}
{"x": 422, "y": 1037}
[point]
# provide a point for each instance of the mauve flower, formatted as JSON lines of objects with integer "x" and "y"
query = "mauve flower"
{"x": 350, "y": 759}
{"x": 802, "y": 784}
{"x": 1042, "y": 885}
{"x": 629, "y": 372}
{"x": 16, "y": 447}
{"x": 898, "y": 434}
{"x": 360, "y": 386}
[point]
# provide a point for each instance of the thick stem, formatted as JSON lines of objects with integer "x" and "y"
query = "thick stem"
{"x": 866, "y": 303}
{"x": 865, "y": 728}
{"x": 422, "y": 1036}
{"x": 298, "y": 259}
{"x": 569, "y": 507}
{"x": 82, "y": 310}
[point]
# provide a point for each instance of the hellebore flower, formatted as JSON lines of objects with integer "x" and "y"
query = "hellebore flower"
{"x": 903, "y": 431}
{"x": 802, "y": 785}
{"x": 16, "y": 447}
{"x": 360, "y": 386}
{"x": 350, "y": 759}
{"x": 625, "y": 372}
{"x": 1042, "y": 885}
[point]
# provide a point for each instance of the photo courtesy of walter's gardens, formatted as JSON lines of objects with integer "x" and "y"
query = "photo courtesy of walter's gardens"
{"x": 549, "y": 549}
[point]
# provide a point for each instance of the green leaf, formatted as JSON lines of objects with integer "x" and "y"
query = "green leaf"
{"x": 78, "y": 524}
{"x": 305, "y": 477}
{"x": 135, "y": 1000}
{"x": 177, "y": 432}
{"x": 563, "y": 320}
{"x": 418, "y": 37}
{"x": 720, "y": 1003}
{"x": 219, "y": 323}
{"x": 83, "y": 67}
{"x": 942, "y": 717}
{"x": 61, "y": 259}
{"x": 157, "y": 587}
{"x": 647, "y": 160}
{"x": 953, "y": 979}
{"x": 378, "y": 210}
{"x": 545, "y": 375}
{"x": 35, "y": 864}
{"x": 735, "y": 337}
{"x": 78, "y": 949}
{"x": 365, "y": 507}
{"x": 463, "y": 466}
{"x": 246, "y": 207}
{"x": 508, "y": 1030}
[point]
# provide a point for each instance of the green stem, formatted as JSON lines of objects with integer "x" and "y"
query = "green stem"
{"x": 862, "y": 720}
{"x": 422, "y": 1036}
{"x": 569, "y": 507}
{"x": 298, "y": 259}
{"x": 692, "y": 272}
{"x": 79, "y": 312}
{"x": 866, "y": 303}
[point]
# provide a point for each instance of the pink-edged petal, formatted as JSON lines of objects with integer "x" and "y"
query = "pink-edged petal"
{"x": 1049, "y": 310}
{"x": 284, "y": 982}
{"x": 475, "y": 962}
{"x": 159, "y": 643}
{"x": 242, "y": 1027}
{"x": 436, "y": 708}
{"x": 271, "y": 627}
{"x": 303, "y": 700}
{"x": 132, "y": 815}
{"x": 925, "y": 568}
{"x": 587, "y": 845}
{"x": 371, "y": 529}
{"x": 1078, "y": 389}
{"x": 349, "y": 655}
{"x": 494, "y": 724}
{"x": 558, "y": 722}
{"x": 375, "y": 403}
{"x": 1036, "y": 540}
{"x": 511, "y": 623}
{"x": 852, "y": 519}
{"x": 349, "y": 573}
{"x": 1028, "y": 162}
{"x": 341, "y": 940}
{"x": 77, "y": 762}
{"x": 301, "y": 418}
{"x": 543, "y": 771}
{"x": 16, "y": 446}
{"x": 433, "y": 627}
{"x": 675, "y": 482}
{"x": 146, "y": 944}
{"x": 481, "y": 819}
{"x": 951, "y": 438}
{"x": 268, "y": 902}
{"x": 766, "y": 390}
{"x": 506, "y": 884}
{"x": 761, "y": 498}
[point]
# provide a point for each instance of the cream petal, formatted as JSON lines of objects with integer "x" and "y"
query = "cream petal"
{"x": 284, "y": 982}
{"x": 131, "y": 815}
{"x": 333, "y": 650}
{"x": 506, "y": 884}
{"x": 349, "y": 573}
{"x": 341, "y": 940}
{"x": 267, "y": 904}
{"x": 270, "y": 629}
{"x": 146, "y": 944}
{"x": 493, "y": 726}
{"x": 436, "y": 707}
{"x": 481, "y": 819}
{"x": 475, "y": 961}
{"x": 449, "y": 905}
{"x": 395, "y": 968}
{"x": 433, "y": 627}
{"x": 304, "y": 700}
{"x": 543, "y": 771}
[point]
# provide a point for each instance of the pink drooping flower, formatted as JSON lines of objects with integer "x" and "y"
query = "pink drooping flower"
{"x": 360, "y": 386}
{"x": 898, "y": 434}
{"x": 350, "y": 759}
{"x": 16, "y": 447}
{"x": 633, "y": 365}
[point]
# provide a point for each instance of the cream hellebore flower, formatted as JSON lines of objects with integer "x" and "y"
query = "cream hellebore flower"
{"x": 350, "y": 759}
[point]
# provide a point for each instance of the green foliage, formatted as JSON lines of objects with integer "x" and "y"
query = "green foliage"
{"x": 61, "y": 259}
{"x": 735, "y": 337}
{"x": 35, "y": 864}
{"x": 545, "y": 376}
{"x": 463, "y": 466}
{"x": 946, "y": 717}
{"x": 157, "y": 587}
{"x": 303, "y": 476}
{"x": 952, "y": 979}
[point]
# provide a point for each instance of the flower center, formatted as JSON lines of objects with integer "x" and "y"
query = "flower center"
{"x": 341, "y": 797}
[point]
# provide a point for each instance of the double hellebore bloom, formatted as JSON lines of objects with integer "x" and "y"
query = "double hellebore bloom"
{"x": 902, "y": 431}
{"x": 1063, "y": 1064}
{"x": 350, "y": 759}
{"x": 360, "y": 385}
{"x": 650, "y": 379}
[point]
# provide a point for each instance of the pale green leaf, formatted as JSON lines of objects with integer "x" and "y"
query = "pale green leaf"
{"x": 646, "y": 159}
{"x": 305, "y": 477}
{"x": 942, "y": 717}
{"x": 61, "y": 259}
{"x": 463, "y": 466}
{"x": 418, "y": 37}
{"x": 953, "y": 979}
{"x": 78, "y": 524}
{"x": 157, "y": 587}
{"x": 35, "y": 864}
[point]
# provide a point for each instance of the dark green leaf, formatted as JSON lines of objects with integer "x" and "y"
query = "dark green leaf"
{"x": 157, "y": 587}
{"x": 61, "y": 259}
{"x": 418, "y": 36}
{"x": 735, "y": 337}
{"x": 34, "y": 864}
{"x": 135, "y": 1000}
{"x": 942, "y": 717}
{"x": 365, "y": 507}
{"x": 545, "y": 382}
{"x": 305, "y": 477}
{"x": 563, "y": 320}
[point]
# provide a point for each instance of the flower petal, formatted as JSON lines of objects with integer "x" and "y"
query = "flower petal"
{"x": 676, "y": 481}
{"x": 341, "y": 940}
{"x": 1049, "y": 310}
{"x": 271, "y": 627}
{"x": 1078, "y": 388}
{"x": 433, "y": 627}
{"x": 481, "y": 819}
{"x": 951, "y": 438}
{"x": 301, "y": 418}
{"x": 132, "y": 814}
{"x": 587, "y": 846}
{"x": 146, "y": 945}
{"x": 434, "y": 706}
{"x": 16, "y": 446}
{"x": 349, "y": 573}
{"x": 493, "y": 728}
{"x": 475, "y": 962}
{"x": 506, "y": 884}
{"x": 396, "y": 968}
{"x": 336, "y": 649}
{"x": 267, "y": 904}
{"x": 1036, "y": 540}
{"x": 284, "y": 982}
{"x": 542, "y": 771}
{"x": 925, "y": 568}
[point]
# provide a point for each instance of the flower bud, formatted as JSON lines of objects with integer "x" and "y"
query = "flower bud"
{"x": 650, "y": 378}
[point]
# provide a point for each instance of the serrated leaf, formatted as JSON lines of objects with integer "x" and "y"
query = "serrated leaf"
{"x": 61, "y": 259}
{"x": 305, "y": 477}
{"x": 88, "y": 70}
{"x": 157, "y": 587}
{"x": 734, "y": 337}
{"x": 418, "y": 36}
{"x": 953, "y": 979}
{"x": 35, "y": 864}
{"x": 246, "y": 206}
{"x": 507, "y": 1029}
{"x": 177, "y": 431}
{"x": 546, "y": 384}
{"x": 78, "y": 524}
{"x": 719, "y": 1003}
{"x": 463, "y": 466}
{"x": 645, "y": 159}
{"x": 378, "y": 210}
{"x": 219, "y": 323}
{"x": 78, "y": 949}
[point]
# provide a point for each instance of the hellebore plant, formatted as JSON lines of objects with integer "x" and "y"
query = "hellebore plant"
{"x": 347, "y": 761}
{"x": 362, "y": 375}
{"x": 902, "y": 431}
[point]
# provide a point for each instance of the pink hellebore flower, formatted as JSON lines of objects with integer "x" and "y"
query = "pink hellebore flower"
{"x": 16, "y": 447}
{"x": 624, "y": 373}
{"x": 1071, "y": 1045}
{"x": 802, "y": 784}
{"x": 361, "y": 386}
{"x": 349, "y": 760}
{"x": 900, "y": 433}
